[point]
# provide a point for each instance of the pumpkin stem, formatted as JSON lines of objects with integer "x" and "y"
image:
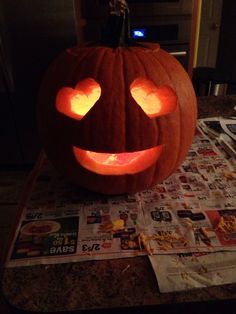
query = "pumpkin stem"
{"x": 117, "y": 30}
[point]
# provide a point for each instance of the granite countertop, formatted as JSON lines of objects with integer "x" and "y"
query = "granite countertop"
{"x": 209, "y": 106}
{"x": 109, "y": 284}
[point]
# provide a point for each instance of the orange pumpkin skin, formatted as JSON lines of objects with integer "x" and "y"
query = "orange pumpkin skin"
{"x": 116, "y": 124}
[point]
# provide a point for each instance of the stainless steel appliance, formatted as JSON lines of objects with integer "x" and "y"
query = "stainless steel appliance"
{"x": 172, "y": 32}
{"x": 165, "y": 22}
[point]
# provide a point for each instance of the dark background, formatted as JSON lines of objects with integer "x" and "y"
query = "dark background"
{"x": 33, "y": 33}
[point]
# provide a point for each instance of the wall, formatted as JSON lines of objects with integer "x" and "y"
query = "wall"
{"x": 34, "y": 32}
{"x": 227, "y": 44}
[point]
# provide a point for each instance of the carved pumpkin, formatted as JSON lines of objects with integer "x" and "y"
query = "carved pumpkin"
{"x": 116, "y": 120}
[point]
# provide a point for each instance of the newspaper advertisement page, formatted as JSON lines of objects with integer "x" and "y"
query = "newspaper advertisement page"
{"x": 194, "y": 210}
{"x": 186, "y": 271}
{"x": 78, "y": 231}
{"x": 63, "y": 223}
{"x": 222, "y": 131}
{"x": 229, "y": 127}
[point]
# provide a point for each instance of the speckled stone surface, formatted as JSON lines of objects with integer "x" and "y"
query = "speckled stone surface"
{"x": 96, "y": 285}
{"x": 209, "y": 106}
{"x": 109, "y": 284}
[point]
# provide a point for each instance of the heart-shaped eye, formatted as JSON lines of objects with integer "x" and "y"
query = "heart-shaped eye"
{"x": 154, "y": 100}
{"x": 76, "y": 102}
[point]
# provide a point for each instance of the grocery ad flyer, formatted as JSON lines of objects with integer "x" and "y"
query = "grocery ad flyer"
{"x": 192, "y": 211}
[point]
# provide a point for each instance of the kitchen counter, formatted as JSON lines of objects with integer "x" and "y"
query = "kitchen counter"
{"x": 114, "y": 284}
{"x": 209, "y": 106}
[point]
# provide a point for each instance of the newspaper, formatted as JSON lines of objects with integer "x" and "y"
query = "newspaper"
{"x": 223, "y": 131}
{"x": 194, "y": 210}
{"x": 186, "y": 271}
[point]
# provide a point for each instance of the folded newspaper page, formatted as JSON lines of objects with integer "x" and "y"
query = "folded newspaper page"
{"x": 223, "y": 131}
{"x": 186, "y": 271}
{"x": 192, "y": 211}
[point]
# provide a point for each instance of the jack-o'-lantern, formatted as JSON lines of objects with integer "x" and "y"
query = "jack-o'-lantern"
{"x": 116, "y": 120}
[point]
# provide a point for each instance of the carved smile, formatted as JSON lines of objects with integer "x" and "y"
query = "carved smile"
{"x": 118, "y": 163}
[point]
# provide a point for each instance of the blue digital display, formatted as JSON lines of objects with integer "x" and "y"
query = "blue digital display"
{"x": 138, "y": 33}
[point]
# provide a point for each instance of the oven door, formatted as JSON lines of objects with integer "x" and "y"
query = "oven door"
{"x": 162, "y": 30}
{"x": 173, "y": 33}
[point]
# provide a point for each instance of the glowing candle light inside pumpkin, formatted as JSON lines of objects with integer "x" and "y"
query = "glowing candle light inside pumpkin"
{"x": 117, "y": 164}
{"x": 79, "y": 104}
{"x": 154, "y": 100}
{"x": 76, "y": 102}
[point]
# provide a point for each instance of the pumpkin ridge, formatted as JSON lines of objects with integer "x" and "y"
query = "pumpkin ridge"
{"x": 158, "y": 130}
{"x": 124, "y": 76}
{"x": 178, "y": 108}
{"x": 124, "y": 71}
{"x": 141, "y": 68}
{"x": 97, "y": 72}
{"x": 81, "y": 64}
{"x": 118, "y": 55}
{"x": 182, "y": 109}
{"x": 139, "y": 58}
